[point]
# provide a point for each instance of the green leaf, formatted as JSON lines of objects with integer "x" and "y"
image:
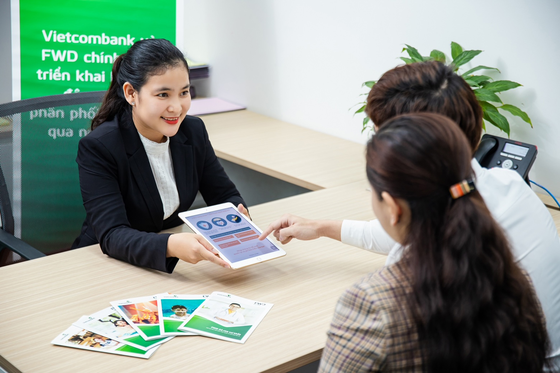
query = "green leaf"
{"x": 486, "y": 95}
{"x": 486, "y": 106}
{"x": 360, "y": 110}
{"x": 407, "y": 60}
{"x": 491, "y": 114}
{"x": 369, "y": 83}
{"x": 501, "y": 85}
{"x": 464, "y": 57}
{"x": 517, "y": 112}
{"x": 476, "y": 80}
{"x": 438, "y": 55}
{"x": 474, "y": 69}
{"x": 497, "y": 120}
{"x": 365, "y": 124}
{"x": 479, "y": 78}
{"x": 472, "y": 83}
{"x": 456, "y": 50}
{"x": 414, "y": 54}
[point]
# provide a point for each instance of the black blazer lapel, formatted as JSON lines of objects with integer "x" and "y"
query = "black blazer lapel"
{"x": 142, "y": 173}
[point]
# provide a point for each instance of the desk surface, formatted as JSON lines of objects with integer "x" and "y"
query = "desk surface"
{"x": 291, "y": 153}
{"x": 39, "y": 299}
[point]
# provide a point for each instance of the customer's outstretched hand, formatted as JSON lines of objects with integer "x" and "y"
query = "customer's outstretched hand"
{"x": 291, "y": 226}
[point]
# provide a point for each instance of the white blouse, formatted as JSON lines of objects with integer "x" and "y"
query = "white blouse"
{"x": 159, "y": 156}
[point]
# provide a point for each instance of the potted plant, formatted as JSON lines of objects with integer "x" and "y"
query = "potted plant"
{"x": 485, "y": 88}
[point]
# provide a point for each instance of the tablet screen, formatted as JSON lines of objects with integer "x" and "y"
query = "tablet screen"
{"x": 232, "y": 234}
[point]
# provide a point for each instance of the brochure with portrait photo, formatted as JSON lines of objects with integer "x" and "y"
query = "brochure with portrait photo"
{"x": 87, "y": 340}
{"x": 226, "y": 316}
{"x": 110, "y": 323}
{"x": 175, "y": 309}
{"x": 142, "y": 314}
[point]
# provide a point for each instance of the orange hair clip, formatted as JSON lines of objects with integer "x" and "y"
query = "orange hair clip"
{"x": 460, "y": 189}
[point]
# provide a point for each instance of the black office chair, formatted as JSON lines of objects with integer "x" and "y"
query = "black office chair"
{"x": 8, "y": 242}
{"x": 41, "y": 207}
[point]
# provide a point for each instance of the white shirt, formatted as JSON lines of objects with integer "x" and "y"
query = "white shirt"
{"x": 526, "y": 222}
{"x": 159, "y": 156}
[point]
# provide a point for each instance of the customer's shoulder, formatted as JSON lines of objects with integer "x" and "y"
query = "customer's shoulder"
{"x": 499, "y": 182}
{"x": 387, "y": 285}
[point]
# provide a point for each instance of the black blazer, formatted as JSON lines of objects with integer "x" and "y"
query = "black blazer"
{"x": 122, "y": 202}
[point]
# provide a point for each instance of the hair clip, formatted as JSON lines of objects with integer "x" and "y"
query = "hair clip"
{"x": 460, "y": 189}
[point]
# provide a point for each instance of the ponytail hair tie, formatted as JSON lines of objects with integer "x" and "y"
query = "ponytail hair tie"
{"x": 460, "y": 189}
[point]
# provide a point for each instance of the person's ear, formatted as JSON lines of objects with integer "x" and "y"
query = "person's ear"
{"x": 129, "y": 93}
{"x": 393, "y": 207}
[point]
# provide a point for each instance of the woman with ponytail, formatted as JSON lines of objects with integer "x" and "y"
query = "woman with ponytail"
{"x": 145, "y": 160}
{"x": 456, "y": 301}
{"x": 434, "y": 87}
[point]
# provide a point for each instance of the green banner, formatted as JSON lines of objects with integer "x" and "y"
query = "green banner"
{"x": 150, "y": 330}
{"x": 205, "y": 325}
{"x": 51, "y": 201}
{"x": 138, "y": 340}
{"x": 172, "y": 326}
{"x": 68, "y": 46}
{"x": 134, "y": 350}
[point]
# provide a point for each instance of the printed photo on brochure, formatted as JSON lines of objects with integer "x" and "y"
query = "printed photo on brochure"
{"x": 142, "y": 314}
{"x": 175, "y": 310}
{"x": 110, "y": 323}
{"x": 76, "y": 337}
{"x": 228, "y": 317}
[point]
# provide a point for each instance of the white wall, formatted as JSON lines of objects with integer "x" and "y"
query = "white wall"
{"x": 303, "y": 61}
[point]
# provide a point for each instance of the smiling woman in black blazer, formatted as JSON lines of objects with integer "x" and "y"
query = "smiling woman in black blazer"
{"x": 145, "y": 160}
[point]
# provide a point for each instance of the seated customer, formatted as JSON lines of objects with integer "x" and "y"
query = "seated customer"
{"x": 434, "y": 87}
{"x": 456, "y": 301}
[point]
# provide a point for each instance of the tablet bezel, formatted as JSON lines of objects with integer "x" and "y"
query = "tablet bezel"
{"x": 222, "y": 206}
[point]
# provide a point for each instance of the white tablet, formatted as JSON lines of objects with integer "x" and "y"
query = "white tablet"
{"x": 233, "y": 235}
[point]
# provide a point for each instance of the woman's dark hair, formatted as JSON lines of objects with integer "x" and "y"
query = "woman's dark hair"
{"x": 474, "y": 308}
{"x": 426, "y": 87}
{"x": 144, "y": 59}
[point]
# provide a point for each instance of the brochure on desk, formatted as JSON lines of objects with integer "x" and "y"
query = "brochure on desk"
{"x": 175, "y": 309}
{"x": 227, "y": 317}
{"x": 142, "y": 314}
{"x": 108, "y": 322}
{"x": 87, "y": 340}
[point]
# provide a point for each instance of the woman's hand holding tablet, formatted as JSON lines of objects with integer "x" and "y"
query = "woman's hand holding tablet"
{"x": 200, "y": 249}
{"x": 233, "y": 236}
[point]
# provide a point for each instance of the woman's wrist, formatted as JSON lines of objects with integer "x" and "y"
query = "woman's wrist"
{"x": 329, "y": 228}
{"x": 171, "y": 247}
